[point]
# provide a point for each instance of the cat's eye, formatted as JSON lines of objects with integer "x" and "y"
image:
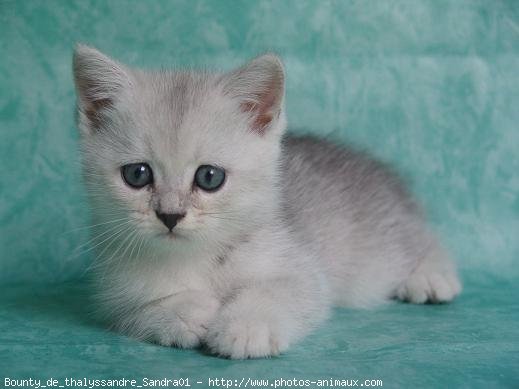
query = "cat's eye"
{"x": 137, "y": 175}
{"x": 209, "y": 178}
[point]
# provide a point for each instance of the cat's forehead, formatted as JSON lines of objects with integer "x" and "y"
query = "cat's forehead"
{"x": 182, "y": 116}
{"x": 165, "y": 98}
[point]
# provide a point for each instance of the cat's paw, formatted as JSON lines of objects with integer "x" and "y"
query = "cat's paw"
{"x": 242, "y": 338}
{"x": 431, "y": 286}
{"x": 185, "y": 320}
{"x": 243, "y": 330}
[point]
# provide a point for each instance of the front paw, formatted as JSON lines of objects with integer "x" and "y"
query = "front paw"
{"x": 245, "y": 336}
{"x": 185, "y": 320}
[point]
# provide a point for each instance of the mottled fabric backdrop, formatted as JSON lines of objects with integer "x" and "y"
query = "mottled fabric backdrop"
{"x": 429, "y": 86}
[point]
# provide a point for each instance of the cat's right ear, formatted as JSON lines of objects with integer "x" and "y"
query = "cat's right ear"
{"x": 99, "y": 82}
{"x": 259, "y": 87}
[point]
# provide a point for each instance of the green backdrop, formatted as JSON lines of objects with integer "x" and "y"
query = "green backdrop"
{"x": 430, "y": 86}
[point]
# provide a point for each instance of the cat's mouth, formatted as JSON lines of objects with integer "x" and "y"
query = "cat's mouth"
{"x": 171, "y": 235}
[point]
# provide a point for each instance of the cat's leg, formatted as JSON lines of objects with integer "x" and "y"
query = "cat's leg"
{"x": 264, "y": 319}
{"x": 434, "y": 280}
{"x": 179, "y": 320}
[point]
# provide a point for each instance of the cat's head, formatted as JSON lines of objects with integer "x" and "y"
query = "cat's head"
{"x": 180, "y": 156}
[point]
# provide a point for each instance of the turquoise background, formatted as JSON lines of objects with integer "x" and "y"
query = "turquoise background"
{"x": 430, "y": 86}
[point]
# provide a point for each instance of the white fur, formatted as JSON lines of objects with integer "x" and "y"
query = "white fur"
{"x": 256, "y": 265}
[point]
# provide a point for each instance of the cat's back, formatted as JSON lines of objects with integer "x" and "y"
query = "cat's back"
{"x": 320, "y": 175}
{"x": 354, "y": 213}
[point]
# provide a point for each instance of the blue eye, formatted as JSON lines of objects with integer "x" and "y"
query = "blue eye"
{"x": 209, "y": 178}
{"x": 137, "y": 175}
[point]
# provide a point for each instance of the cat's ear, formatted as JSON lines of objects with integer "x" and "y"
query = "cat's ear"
{"x": 259, "y": 88}
{"x": 99, "y": 81}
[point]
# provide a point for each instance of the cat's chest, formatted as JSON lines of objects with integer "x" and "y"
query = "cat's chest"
{"x": 155, "y": 281}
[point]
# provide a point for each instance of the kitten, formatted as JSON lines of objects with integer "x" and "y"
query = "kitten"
{"x": 215, "y": 229}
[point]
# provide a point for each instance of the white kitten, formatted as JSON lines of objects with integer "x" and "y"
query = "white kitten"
{"x": 214, "y": 229}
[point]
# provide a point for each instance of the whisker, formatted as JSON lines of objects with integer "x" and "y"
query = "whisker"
{"x": 95, "y": 225}
{"x": 96, "y": 262}
{"x": 123, "y": 243}
{"x": 109, "y": 230}
{"x": 140, "y": 245}
{"x": 98, "y": 259}
{"x": 130, "y": 244}
{"x": 125, "y": 230}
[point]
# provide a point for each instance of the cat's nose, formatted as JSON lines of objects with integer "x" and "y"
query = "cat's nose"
{"x": 170, "y": 220}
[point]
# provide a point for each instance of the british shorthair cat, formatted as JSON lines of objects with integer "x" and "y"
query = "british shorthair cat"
{"x": 214, "y": 228}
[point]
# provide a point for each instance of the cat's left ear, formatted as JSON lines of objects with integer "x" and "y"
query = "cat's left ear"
{"x": 100, "y": 82}
{"x": 259, "y": 88}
